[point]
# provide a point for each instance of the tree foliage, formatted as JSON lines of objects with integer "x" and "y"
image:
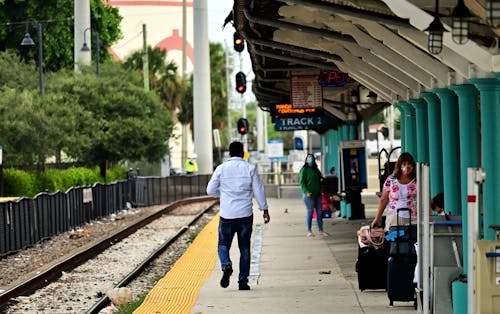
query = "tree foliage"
{"x": 93, "y": 120}
{"x": 218, "y": 86}
{"x": 115, "y": 118}
{"x": 164, "y": 80}
{"x": 23, "y": 131}
{"x": 56, "y": 18}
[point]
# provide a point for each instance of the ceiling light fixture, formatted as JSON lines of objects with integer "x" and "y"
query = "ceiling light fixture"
{"x": 460, "y": 23}
{"x": 436, "y": 30}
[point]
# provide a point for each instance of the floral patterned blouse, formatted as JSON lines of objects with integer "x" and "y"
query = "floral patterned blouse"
{"x": 397, "y": 199}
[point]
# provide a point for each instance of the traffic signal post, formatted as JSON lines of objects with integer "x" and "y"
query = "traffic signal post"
{"x": 241, "y": 87}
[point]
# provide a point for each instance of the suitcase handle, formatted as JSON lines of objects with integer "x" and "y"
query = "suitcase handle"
{"x": 398, "y": 226}
{"x": 402, "y": 209}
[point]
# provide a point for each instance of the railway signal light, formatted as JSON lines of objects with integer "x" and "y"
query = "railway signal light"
{"x": 238, "y": 42}
{"x": 241, "y": 82}
{"x": 242, "y": 126}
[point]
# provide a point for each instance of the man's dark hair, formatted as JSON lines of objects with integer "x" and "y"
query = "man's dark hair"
{"x": 236, "y": 149}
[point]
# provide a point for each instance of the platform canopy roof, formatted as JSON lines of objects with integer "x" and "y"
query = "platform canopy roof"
{"x": 381, "y": 44}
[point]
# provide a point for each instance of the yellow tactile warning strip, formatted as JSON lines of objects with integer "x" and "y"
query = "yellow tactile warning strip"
{"x": 178, "y": 290}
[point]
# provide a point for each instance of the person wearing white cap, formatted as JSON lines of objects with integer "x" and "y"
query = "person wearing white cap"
{"x": 191, "y": 165}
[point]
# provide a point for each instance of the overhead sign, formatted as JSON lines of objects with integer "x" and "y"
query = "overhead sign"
{"x": 306, "y": 93}
{"x": 284, "y": 109}
{"x": 293, "y": 123}
{"x": 331, "y": 78}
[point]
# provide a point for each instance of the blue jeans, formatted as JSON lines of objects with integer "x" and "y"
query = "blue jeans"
{"x": 313, "y": 202}
{"x": 243, "y": 228}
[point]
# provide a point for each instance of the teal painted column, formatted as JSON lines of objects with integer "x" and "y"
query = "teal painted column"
{"x": 451, "y": 149}
{"x": 343, "y": 132}
{"x": 343, "y": 136}
{"x": 469, "y": 148}
{"x": 489, "y": 89}
{"x": 401, "y": 126}
{"x": 435, "y": 142}
{"x": 332, "y": 156}
{"x": 352, "y": 130}
{"x": 422, "y": 129}
{"x": 410, "y": 129}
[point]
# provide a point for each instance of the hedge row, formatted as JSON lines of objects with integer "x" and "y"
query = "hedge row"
{"x": 29, "y": 183}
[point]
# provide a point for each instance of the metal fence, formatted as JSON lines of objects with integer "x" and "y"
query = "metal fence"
{"x": 28, "y": 221}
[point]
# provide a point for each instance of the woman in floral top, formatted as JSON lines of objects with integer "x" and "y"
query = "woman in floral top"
{"x": 400, "y": 191}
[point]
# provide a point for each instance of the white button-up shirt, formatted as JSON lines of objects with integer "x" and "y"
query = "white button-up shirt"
{"x": 235, "y": 182}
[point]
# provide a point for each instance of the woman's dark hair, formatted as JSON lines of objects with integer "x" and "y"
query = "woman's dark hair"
{"x": 314, "y": 165}
{"x": 405, "y": 157}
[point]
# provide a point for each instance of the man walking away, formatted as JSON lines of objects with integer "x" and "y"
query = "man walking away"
{"x": 236, "y": 182}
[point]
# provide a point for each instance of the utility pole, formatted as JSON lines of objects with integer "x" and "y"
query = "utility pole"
{"x": 202, "y": 108}
{"x": 145, "y": 58}
{"x": 81, "y": 23}
{"x": 185, "y": 127}
{"x": 229, "y": 92}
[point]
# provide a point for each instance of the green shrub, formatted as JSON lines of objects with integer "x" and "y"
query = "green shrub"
{"x": 116, "y": 173}
{"x": 29, "y": 183}
{"x": 19, "y": 183}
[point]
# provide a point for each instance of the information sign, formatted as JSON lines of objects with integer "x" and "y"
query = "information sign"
{"x": 302, "y": 122}
{"x": 275, "y": 149}
{"x": 306, "y": 92}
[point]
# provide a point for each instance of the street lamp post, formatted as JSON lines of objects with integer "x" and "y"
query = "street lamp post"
{"x": 85, "y": 48}
{"x": 28, "y": 41}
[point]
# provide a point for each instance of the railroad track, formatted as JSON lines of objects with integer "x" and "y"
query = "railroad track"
{"x": 55, "y": 271}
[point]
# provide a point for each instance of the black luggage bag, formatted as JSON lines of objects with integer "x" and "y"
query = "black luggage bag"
{"x": 400, "y": 272}
{"x": 371, "y": 267}
{"x": 401, "y": 265}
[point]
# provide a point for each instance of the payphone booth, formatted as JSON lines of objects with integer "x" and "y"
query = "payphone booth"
{"x": 353, "y": 176}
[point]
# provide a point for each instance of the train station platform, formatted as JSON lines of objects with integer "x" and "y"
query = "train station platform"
{"x": 290, "y": 273}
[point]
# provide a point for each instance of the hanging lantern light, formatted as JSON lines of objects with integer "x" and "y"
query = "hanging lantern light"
{"x": 493, "y": 12}
{"x": 460, "y": 23}
{"x": 436, "y": 30}
{"x": 372, "y": 97}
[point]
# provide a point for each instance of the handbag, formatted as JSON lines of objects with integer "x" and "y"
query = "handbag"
{"x": 326, "y": 214}
{"x": 368, "y": 236}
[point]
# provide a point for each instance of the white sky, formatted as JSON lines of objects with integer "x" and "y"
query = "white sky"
{"x": 217, "y": 12}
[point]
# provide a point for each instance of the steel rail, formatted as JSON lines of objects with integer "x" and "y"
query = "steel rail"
{"x": 54, "y": 271}
{"x": 104, "y": 301}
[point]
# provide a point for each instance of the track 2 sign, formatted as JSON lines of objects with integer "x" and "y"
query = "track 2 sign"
{"x": 302, "y": 122}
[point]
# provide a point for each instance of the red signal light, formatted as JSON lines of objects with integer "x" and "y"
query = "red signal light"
{"x": 241, "y": 82}
{"x": 242, "y": 125}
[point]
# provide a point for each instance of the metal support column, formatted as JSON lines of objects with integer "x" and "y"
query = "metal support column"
{"x": 435, "y": 142}
{"x": 410, "y": 128}
{"x": 469, "y": 146}
{"x": 422, "y": 129}
{"x": 451, "y": 149}
{"x": 401, "y": 126}
{"x": 489, "y": 89}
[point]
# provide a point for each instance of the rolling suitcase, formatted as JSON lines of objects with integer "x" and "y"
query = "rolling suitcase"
{"x": 401, "y": 265}
{"x": 400, "y": 272}
{"x": 371, "y": 264}
{"x": 371, "y": 267}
